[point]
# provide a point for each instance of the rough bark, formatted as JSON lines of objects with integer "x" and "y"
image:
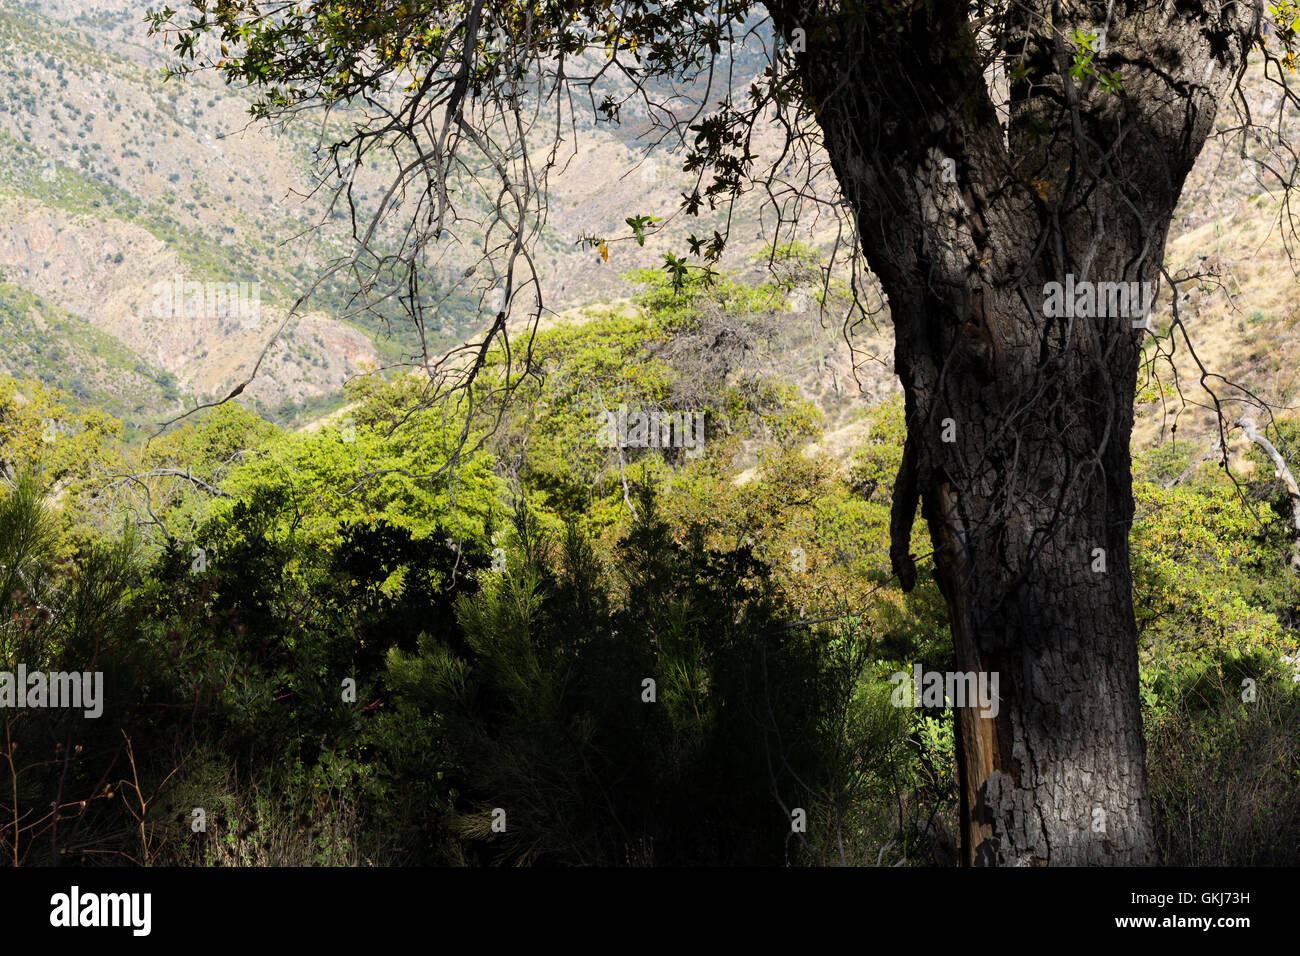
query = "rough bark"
{"x": 1069, "y": 179}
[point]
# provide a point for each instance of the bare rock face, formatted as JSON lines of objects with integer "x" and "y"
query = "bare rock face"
{"x": 123, "y": 281}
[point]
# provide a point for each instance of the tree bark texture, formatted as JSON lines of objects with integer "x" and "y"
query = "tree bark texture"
{"x": 1019, "y": 420}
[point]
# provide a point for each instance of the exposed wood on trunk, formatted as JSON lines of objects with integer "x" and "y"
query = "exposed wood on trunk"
{"x": 1019, "y": 418}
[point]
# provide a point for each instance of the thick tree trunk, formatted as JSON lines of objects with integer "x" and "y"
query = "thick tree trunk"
{"x": 1038, "y": 589}
{"x": 1019, "y": 416}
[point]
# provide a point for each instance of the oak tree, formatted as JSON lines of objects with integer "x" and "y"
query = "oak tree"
{"x": 1006, "y": 169}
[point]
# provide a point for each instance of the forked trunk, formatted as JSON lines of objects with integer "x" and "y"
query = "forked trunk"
{"x": 1018, "y": 249}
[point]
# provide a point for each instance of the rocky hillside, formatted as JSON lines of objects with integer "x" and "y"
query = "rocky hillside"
{"x": 116, "y": 187}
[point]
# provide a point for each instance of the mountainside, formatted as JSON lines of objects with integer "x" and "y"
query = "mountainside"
{"x": 114, "y": 184}
{"x": 116, "y": 187}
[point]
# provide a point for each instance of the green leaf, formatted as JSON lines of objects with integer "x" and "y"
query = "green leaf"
{"x": 638, "y": 224}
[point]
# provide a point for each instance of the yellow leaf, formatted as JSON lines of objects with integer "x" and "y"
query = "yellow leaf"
{"x": 604, "y": 251}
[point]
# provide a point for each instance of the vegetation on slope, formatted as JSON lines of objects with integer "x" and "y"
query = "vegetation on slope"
{"x": 340, "y": 659}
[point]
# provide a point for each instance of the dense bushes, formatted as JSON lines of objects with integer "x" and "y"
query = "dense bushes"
{"x": 554, "y": 720}
{"x": 339, "y": 659}
{"x": 224, "y": 691}
{"x": 1224, "y": 762}
{"x": 527, "y": 695}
